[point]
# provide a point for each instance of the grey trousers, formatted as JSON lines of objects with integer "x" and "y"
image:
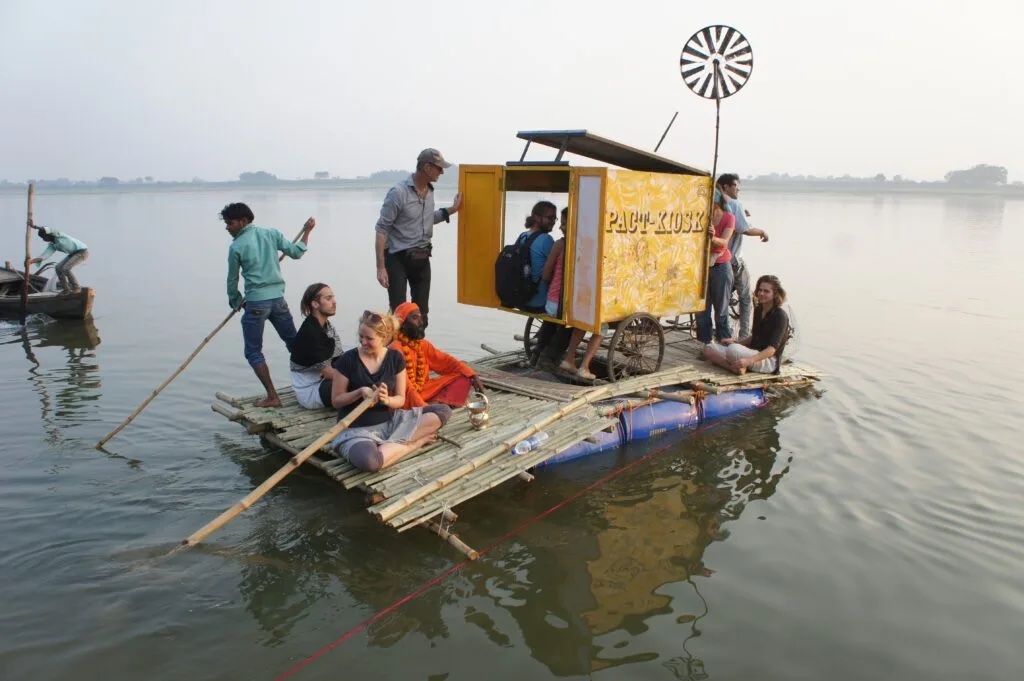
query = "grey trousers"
{"x": 68, "y": 282}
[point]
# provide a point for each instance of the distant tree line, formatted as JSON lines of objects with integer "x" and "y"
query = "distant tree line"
{"x": 979, "y": 176}
{"x": 389, "y": 175}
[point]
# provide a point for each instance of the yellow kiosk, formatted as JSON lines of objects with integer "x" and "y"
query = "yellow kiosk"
{"x": 637, "y": 241}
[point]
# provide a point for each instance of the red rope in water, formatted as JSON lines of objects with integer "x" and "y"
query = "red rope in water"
{"x": 449, "y": 572}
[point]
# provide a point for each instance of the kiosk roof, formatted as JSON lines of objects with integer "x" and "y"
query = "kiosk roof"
{"x": 583, "y": 143}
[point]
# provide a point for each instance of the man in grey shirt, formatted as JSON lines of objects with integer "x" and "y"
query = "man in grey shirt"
{"x": 404, "y": 230}
{"x": 729, "y": 184}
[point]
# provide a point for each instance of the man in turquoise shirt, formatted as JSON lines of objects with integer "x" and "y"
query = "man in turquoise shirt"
{"x": 75, "y": 254}
{"x": 254, "y": 252}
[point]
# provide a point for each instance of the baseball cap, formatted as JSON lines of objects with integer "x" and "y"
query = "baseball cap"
{"x": 432, "y": 156}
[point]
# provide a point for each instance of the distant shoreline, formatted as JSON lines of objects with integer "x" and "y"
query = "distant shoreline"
{"x": 235, "y": 185}
{"x": 790, "y": 187}
{"x": 884, "y": 188}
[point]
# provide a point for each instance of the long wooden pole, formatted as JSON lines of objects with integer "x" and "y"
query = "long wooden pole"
{"x": 254, "y": 496}
{"x": 159, "y": 388}
{"x": 28, "y": 253}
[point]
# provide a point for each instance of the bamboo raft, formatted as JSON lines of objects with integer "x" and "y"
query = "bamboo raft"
{"x": 422, "y": 489}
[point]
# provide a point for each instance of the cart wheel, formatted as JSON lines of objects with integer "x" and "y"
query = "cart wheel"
{"x": 530, "y": 336}
{"x": 636, "y": 348}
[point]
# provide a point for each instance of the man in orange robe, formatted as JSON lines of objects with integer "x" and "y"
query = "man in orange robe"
{"x": 454, "y": 379}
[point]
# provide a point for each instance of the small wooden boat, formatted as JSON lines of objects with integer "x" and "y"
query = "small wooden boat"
{"x": 44, "y": 297}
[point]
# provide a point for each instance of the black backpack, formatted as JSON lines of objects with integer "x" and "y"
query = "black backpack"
{"x": 513, "y": 274}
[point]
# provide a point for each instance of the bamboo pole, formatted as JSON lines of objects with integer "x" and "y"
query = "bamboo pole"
{"x": 399, "y": 480}
{"x": 255, "y": 495}
{"x": 452, "y": 539}
{"x": 398, "y": 505}
{"x": 684, "y": 396}
{"x": 225, "y": 412}
{"x": 28, "y": 253}
{"x": 465, "y": 488}
{"x": 188, "y": 360}
{"x": 436, "y": 466}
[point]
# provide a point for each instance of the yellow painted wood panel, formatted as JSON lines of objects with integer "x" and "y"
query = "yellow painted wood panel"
{"x": 655, "y": 243}
{"x": 480, "y": 233}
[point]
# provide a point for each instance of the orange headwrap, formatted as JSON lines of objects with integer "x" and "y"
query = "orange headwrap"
{"x": 404, "y": 310}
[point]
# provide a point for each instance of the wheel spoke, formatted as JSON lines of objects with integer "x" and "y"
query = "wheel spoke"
{"x": 637, "y": 347}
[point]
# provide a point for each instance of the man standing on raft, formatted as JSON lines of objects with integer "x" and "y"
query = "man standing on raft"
{"x": 253, "y": 251}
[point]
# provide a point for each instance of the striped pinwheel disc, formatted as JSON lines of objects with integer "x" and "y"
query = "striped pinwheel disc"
{"x": 716, "y": 62}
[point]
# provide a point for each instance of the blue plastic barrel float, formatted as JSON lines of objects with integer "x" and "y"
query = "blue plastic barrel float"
{"x": 662, "y": 417}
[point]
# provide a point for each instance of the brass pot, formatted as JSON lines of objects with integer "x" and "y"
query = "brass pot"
{"x": 478, "y": 406}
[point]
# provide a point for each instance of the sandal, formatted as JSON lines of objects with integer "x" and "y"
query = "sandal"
{"x": 565, "y": 366}
{"x": 585, "y": 375}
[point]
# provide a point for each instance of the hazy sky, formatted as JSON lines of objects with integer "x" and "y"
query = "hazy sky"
{"x": 212, "y": 88}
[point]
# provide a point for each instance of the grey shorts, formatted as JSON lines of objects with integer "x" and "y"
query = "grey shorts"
{"x": 399, "y": 429}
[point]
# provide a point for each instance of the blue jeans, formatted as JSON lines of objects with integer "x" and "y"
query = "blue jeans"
{"x": 257, "y": 312}
{"x": 719, "y": 290}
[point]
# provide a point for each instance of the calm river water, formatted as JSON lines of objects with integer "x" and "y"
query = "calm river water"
{"x": 873, "y": 531}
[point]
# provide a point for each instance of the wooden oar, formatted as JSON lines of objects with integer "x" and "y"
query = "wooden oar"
{"x": 145, "y": 403}
{"x": 28, "y": 253}
{"x": 253, "y": 496}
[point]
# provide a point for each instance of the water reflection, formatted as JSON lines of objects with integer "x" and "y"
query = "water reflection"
{"x": 639, "y": 553}
{"x": 67, "y": 383}
{"x": 980, "y": 214}
{"x": 311, "y": 542}
{"x": 622, "y": 558}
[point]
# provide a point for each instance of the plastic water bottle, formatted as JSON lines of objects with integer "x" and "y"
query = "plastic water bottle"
{"x": 531, "y": 443}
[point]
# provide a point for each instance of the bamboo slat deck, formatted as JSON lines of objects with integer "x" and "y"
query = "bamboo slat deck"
{"x": 466, "y": 462}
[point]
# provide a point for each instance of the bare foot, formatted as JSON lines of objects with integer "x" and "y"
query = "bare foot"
{"x": 423, "y": 441}
{"x": 269, "y": 402}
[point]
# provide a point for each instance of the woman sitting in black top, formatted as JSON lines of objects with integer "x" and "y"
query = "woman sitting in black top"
{"x": 385, "y": 432}
{"x": 761, "y": 352}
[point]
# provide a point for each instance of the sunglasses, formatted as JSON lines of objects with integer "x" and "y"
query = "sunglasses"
{"x": 371, "y": 317}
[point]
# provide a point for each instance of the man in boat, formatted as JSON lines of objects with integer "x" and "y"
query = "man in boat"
{"x": 253, "y": 252}
{"x": 404, "y": 231}
{"x": 455, "y": 378}
{"x": 729, "y": 185}
{"x": 75, "y": 253}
